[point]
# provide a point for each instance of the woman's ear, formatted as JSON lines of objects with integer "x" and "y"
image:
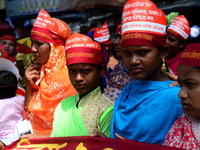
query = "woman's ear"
{"x": 182, "y": 44}
{"x": 164, "y": 52}
{"x": 102, "y": 69}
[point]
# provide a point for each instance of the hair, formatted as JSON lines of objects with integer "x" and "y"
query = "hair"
{"x": 8, "y": 84}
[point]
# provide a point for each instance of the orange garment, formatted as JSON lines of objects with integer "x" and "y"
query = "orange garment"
{"x": 112, "y": 62}
{"x": 53, "y": 86}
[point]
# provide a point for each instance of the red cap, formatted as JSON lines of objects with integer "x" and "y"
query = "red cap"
{"x": 191, "y": 55}
{"x": 179, "y": 27}
{"x": 143, "y": 24}
{"x": 82, "y": 49}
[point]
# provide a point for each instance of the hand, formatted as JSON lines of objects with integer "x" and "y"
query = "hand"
{"x": 174, "y": 78}
{"x": 119, "y": 136}
{"x": 32, "y": 74}
{"x": 1, "y": 145}
{"x": 34, "y": 135}
{"x": 171, "y": 76}
{"x": 98, "y": 134}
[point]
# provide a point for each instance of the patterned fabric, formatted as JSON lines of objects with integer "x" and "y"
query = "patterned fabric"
{"x": 84, "y": 120}
{"x": 185, "y": 133}
{"x": 119, "y": 78}
{"x": 53, "y": 86}
{"x": 112, "y": 62}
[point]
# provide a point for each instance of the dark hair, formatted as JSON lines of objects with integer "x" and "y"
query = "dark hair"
{"x": 8, "y": 84}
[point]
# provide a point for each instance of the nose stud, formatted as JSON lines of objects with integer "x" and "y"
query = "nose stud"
{"x": 34, "y": 50}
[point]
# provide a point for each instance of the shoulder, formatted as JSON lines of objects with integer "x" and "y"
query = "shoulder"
{"x": 101, "y": 103}
{"x": 67, "y": 100}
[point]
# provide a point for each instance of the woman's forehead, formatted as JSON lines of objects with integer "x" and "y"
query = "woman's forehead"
{"x": 81, "y": 65}
{"x": 7, "y": 41}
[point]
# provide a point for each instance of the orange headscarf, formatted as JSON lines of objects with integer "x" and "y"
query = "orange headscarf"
{"x": 53, "y": 85}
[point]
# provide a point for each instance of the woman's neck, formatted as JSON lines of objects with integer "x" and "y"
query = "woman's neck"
{"x": 158, "y": 76}
{"x": 172, "y": 55}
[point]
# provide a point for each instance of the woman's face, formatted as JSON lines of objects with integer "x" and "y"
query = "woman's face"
{"x": 142, "y": 62}
{"x": 9, "y": 47}
{"x": 85, "y": 77}
{"x": 173, "y": 44}
{"x": 118, "y": 48}
{"x": 189, "y": 79}
{"x": 41, "y": 51}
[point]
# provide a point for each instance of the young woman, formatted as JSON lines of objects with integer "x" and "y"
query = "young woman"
{"x": 119, "y": 77}
{"x": 185, "y": 131}
{"x": 177, "y": 34}
{"x": 146, "y": 108}
{"x": 9, "y": 43}
{"x": 47, "y": 81}
{"x": 89, "y": 111}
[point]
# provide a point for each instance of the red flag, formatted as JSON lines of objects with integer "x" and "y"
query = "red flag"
{"x": 83, "y": 143}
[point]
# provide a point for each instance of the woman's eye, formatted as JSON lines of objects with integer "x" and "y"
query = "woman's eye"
{"x": 143, "y": 52}
{"x": 125, "y": 52}
{"x": 86, "y": 70}
{"x": 11, "y": 44}
{"x": 71, "y": 71}
{"x": 190, "y": 84}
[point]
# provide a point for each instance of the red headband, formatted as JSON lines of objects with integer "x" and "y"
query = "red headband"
{"x": 46, "y": 29}
{"x": 82, "y": 49}
{"x": 179, "y": 28}
{"x": 191, "y": 55}
{"x": 143, "y": 24}
{"x": 46, "y": 35}
{"x": 8, "y": 37}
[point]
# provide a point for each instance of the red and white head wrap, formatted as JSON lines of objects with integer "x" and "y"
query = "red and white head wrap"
{"x": 82, "y": 49}
{"x": 47, "y": 29}
{"x": 143, "y": 24}
{"x": 179, "y": 27}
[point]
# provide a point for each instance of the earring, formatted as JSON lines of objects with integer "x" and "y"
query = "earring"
{"x": 163, "y": 68}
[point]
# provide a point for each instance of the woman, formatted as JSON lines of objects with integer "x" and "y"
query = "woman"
{"x": 185, "y": 131}
{"x": 119, "y": 77}
{"x": 47, "y": 81}
{"x": 177, "y": 34}
{"x": 9, "y": 43}
{"x": 146, "y": 108}
{"x": 89, "y": 110}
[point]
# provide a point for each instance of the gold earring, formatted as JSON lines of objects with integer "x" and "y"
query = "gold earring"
{"x": 163, "y": 68}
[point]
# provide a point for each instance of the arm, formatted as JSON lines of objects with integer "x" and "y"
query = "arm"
{"x": 105, "y": 123}
{"x": 32, "y": 75}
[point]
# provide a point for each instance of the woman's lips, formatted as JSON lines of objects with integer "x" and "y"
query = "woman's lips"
{"x": 136, "y": 70}
{"x": 80, "y": 86}
{"x": 185, "y": 105}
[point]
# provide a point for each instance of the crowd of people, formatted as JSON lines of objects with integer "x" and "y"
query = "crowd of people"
{"x": 70, "y": 88}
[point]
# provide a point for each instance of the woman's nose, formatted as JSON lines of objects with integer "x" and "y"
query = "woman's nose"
{"x": 79, "y": 77}
{"x": 33, "y": 48}
{"x": 134, "y": 60}
{"x": 182, "y": 94}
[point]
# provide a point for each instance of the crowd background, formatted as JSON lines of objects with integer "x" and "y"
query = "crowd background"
{"x": 22, "y": 28}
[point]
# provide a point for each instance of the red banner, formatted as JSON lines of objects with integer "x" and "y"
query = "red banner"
{"x": 83, "y": 143}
